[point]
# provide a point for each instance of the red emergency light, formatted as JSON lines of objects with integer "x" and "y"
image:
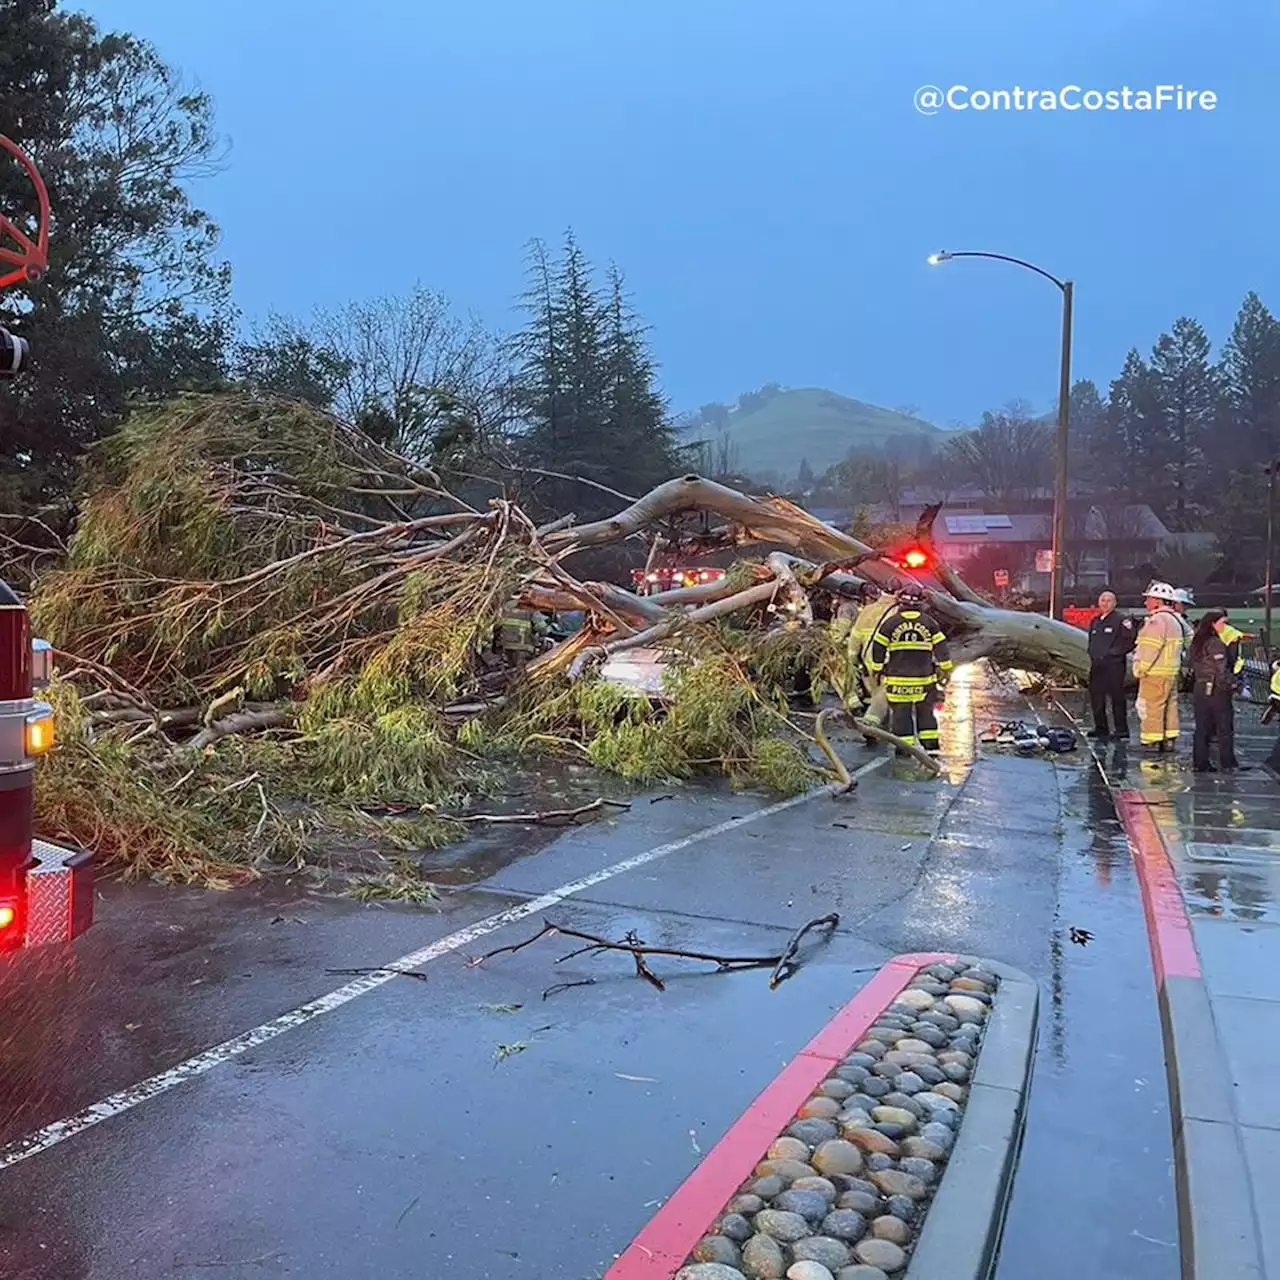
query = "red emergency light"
{"x": 672, "y": 578}
{"x": 915, "y": 558}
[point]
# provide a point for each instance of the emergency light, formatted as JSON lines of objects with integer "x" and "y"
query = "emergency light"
{"x": 916, "y": 558}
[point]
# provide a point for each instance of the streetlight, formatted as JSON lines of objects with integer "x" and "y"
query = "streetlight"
{"x": 1064, "y": 402}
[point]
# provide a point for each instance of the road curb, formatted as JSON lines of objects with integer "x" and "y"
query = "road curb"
{"x": 964, "y": 1241}
{"x": 1217, "y": 1225}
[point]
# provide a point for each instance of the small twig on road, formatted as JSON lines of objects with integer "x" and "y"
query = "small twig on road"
{"x": 547, "y": 818}
{"x": 786, "y": 965}
{"x": 407, "y": 1210}
{"x": 352, "y": 973}
{"x": 564, "y": 986}
{"x": 638, "y": 950}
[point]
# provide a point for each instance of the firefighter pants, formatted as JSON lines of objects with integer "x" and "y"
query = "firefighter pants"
{"x": 1106, "y": 687}
{"x": 1215, "y": 719}
{"x": 913, "y": 716}
{"x": 1158, "y": 709}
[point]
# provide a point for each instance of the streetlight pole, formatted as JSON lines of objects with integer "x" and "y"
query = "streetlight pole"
{"x": 1064, "y": 413}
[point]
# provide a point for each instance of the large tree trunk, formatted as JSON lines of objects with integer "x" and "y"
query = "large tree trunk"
{"x": 976, "y": 629}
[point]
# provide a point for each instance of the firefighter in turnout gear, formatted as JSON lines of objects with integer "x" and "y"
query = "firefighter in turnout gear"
{"x": 873, "y": 707}
{"x": 1157, "y": 659}
{"x": 909, "y": 652}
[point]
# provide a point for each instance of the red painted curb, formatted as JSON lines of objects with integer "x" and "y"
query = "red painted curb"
{"x": 660, "y": 1250}
{"x": 1173, "y": 948}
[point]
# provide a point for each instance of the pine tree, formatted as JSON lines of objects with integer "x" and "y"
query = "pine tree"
{"x": 1139, "y": 453}
{"x": 1190, "y": 391}
{"x": 1251, "y": 371}
{"x": 1089, "y": 428}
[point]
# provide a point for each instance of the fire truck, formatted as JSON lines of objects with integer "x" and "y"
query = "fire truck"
{"x": 46, "y": 892}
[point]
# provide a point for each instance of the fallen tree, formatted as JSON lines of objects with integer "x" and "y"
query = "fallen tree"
{"x": 268, "y": 624}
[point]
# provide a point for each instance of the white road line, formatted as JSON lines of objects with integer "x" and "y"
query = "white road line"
{"x": 126, "y": 1099}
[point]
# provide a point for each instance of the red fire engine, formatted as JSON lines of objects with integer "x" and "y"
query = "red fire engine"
{"x": 46, "y": 894}
{"x": 649, "y": 582}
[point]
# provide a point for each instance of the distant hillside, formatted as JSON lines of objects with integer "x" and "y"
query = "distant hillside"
{"x": 773, "y": 431}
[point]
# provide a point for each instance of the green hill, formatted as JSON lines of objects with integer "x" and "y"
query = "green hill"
{"x": 810, "y": 423}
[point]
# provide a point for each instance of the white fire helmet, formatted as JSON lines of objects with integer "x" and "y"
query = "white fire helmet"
{"x": 1160, "y": 591}
{"x": 1186, "y": 596}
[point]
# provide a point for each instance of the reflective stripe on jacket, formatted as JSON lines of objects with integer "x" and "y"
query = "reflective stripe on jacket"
{"x": 1230, "y": 636}
{"x": 1275, "y": 683}
{"x": 1159, "y": 648}
{"x": 909, "y": 650}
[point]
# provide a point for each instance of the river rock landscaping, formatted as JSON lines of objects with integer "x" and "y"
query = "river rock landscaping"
{"x": 843, "y": 1192}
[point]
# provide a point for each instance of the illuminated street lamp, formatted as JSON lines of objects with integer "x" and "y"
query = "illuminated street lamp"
{"x": 1064, "y": 402}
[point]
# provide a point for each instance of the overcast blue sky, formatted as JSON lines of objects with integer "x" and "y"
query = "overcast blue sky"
{"x": 758, "y": 170}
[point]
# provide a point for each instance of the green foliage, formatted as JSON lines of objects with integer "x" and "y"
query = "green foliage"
{"x": 134, "y": 301}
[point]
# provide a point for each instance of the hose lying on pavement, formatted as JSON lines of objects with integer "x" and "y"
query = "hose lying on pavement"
{"x": 844, "y": 779}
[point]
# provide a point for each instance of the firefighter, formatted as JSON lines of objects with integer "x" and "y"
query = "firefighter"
{"x": 1157, "y": 660}
{"x": 1111, "y": 640}
{"x": 1230, "y": 635}
{"x": 910, "y": 652}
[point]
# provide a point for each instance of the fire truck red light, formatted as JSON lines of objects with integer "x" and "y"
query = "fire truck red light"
{"x": 7, "y": 916}
{"x": 916, "y": 559}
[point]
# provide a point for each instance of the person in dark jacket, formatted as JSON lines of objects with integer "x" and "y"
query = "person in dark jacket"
{"x": 909, "y": 652}
{"x": 1111, "y": 640}
{"x": 1213, "y": 662}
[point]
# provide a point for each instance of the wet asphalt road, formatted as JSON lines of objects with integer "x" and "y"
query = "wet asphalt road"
{"x": 391, "y": 1137}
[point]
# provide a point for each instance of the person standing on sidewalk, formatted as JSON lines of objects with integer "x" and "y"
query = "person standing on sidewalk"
{"x": 1111, "y": 640}
{"x": 1213, "y": 659}
{"x": 1156, "y": 660}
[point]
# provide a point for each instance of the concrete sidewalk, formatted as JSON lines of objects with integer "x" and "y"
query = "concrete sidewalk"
{"x": 1208, "y": 849}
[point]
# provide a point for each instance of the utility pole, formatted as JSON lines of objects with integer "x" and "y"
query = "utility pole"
{"x": 1060, "y": 477}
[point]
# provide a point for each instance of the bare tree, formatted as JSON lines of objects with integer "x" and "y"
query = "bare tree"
{"x": 1008, "y": 456}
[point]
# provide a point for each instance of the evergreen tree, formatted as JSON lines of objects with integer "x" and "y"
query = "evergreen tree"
{"x": 1139, "y": 451}
{"x": 1089, "y": 432}
{"x": 1189, "y": 392}
{"x": 805, "y": 475}
{"x": 1251, "y": 371}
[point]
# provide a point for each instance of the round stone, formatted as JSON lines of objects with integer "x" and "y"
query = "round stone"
{"x": 860, "y": 1272}
{"x": 876, "y": 1161}
{"x": 789, "y": 1149}
{"x": 948, "y": 1118}
{"x": 940, "y": 1134}
{"x": 862, "y": 1203}
{"x": 845, "y": 1224}
{"x": 872, "y": 1140}
{"x": 895, "y": 1115}
{"x": 937, "y": 1018}
{"x": 955, "y": 1057}
{"x": 954, "y": 1072}
{"x": 949, "y": 1090}
{"x": 820, "y": 1109}
{"x": 859, "y": 1060}
{"x": 718, "y": 1249}
{"x": 837, "y": 1089}
{"x": 811, "y": 1132}
{"x": 901, "y": 1019}
{"x": 885, "y": 1069}
{"x": 854, "y": 1118}
{"x": 935, "y": 989}
{"x": 763, "y": 1259}
{"x": 873, "y": 1048}
{"x": 881, "y": 1253}
{"x": 900, "y": 1010}
{"x": 890, "y": 1228}
{"x": 912, "y": 1045}
{"x": 767, "y": 1187}
{"x": 788, "y": 1170}
{"x": 853, "y": 1075}
{"x": 902, "y": 1207}
{"x": 941, "y": 972}
{"x": 859, "y": 1102}
{"x": 936, "y": 1101}
{"x": 981, "y": 975}
{"x": 916, "y": 999}
{"x": 908, "y": 1082}
{"x": 964, "y": 1004}
{"x": 929, "y": 1073}
{"x": 904, "y": 1102}
{"x": 927, "y": 1034}
{"x": 918, "y": 1168}
{"x": 893, "y": 1182}
{"x": 837, "y": 1156}
{"x": 745, "y": 1203}
{"x": 808, "y": 1204}
{"x": 708, "y": 1271}
{"x": 892, "y": 1131}
{"x": 826, "y": 1250}
{"x": 923, "y": 1149}
{"x": 823, "y": 1186}
{"x": 886, "y": 1035}
{"x": 788, "y": 1227}
{"x": 735, "y": 1227}
{"x": 876, "y": 1086}
{"x": 807, "y": 1269}
{"x": 963, "y": 985}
